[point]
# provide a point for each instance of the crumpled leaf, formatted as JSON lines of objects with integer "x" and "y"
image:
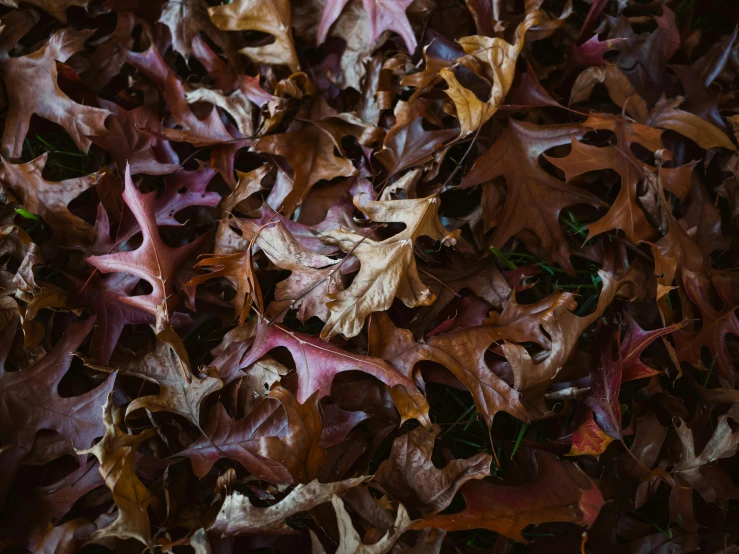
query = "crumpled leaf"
{"x": 499, "y": 59}
{"x": 115, "y": 452}
{"x": 38, "y": 72}
{"x": 410, "y": 477}
{"x": 382, "y": 16}
{"x": 535, "y": 198}
{"x": 351, "y": 542}
{"x": 560, "y": 492}
{"x": 312, "y": 278}
{"x": 238, "y": 516}
{"x": 388, "y": 267}
{"x": 266, "y": 16}
{"x": 50, "y": 200}
{"x": 30, "y": 401}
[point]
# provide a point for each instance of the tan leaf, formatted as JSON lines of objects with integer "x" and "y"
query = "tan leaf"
{"x": 239, "y": 271}
{"x": 239, "y": 516}
{"x": 350, "y": 542}
{"x": 235, "y": 104}
{"x": 266, "y": 16}
{"x": 116, "y": 452}
{"x": 499, "y": 57}
{"x": 247, "y": 185}
{"x": 259, "y": 378}
{"x": 619, "y": 87}
{"x": 312, "y": 275}
{"x": 471, "y": 111}
{"x": 666, "y": 115}
{"x": 388, "y": 267}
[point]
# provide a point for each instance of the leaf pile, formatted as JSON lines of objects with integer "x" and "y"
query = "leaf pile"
{"x": 369, "y": 276}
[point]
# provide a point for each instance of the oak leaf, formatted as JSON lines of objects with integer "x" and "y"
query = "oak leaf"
{"x": 718, "y": 323}
{"x": 667, "y": 115}
{"x": 238, "y": 516}
{"x": 153, "y": 261}
{"x": 116, "y": 452}
{"x": 238, "y": 268}
{"x": 310, "y": 152}
{"x": 560, "y": 492}
{"x": 180, "y": 391}
{"x": 535, "y": 198}
{"x": 461, "y": 352}
{"x": 499, "y": 59}
{"x": 266, "y": 16}
{"x": 408, "y": 144}
{"x": 105, "y": 297}
{"x": 251, "y": 441}
{"x": 635, "y": 341}
{"x": 350, "y": 541}
{"x": 312, "y": 278}
{"x": 388, "y": 268}
{"x": 410, "y": 477}
{"x": 38, "y": 72}
{"x": 185, "y": 19}
{"x": 317, "y": 363}
{"x": 382, "y": 16}
{"x": 589, "y": 439}
{"x": 127, "y": 143}
{"x": 49, "y": 199}
{"x": 55, "y": 8}
{"x": 30, "y": 401}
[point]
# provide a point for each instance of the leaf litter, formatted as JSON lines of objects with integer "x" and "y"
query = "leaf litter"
{"x": 348, "y": 276}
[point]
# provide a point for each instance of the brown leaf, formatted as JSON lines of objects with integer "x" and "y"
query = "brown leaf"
{"x": 407, "y": 144}
{"x": 535, "y": 198}
{"x": 313, "y": 276}
{"x": 310, "y": 152}
{"x": 253, "y": 441}
{"x": 180, "y": 391}
{"x": 238, "y": 516}
{"x": 461, "y": 352}
{"x": 666, "y": 115}
{"x": 239, "y": 270}
{"x": 56, "y": 8}
{"x": 388, "y": 267}
{"x": 38, "y": 72}
{"x": 266, "y": 16}
{"x": 560, "y": 492}
{"x": 185, "y": 19}
{"x": 116, "y": 452}
{"x": 49, "y": 199}
{"x": 410, "y": 477}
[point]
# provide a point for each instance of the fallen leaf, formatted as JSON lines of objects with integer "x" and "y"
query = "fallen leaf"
{"x": 560, "y": 492}
{"x": 410, "y": 477}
